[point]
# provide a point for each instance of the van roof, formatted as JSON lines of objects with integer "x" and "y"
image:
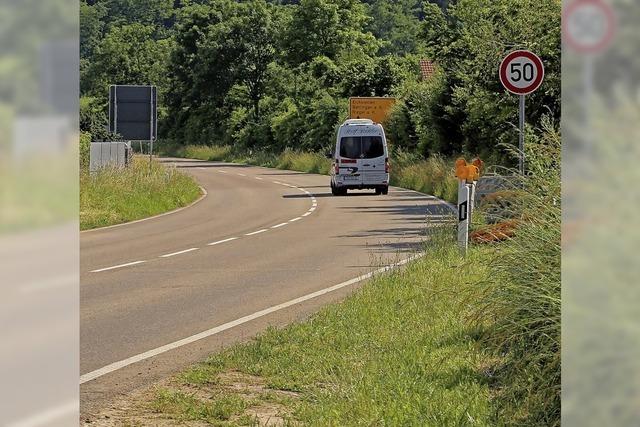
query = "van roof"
{"x": 361, "y": 122}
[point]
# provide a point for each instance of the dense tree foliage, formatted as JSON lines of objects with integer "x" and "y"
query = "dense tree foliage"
{"x": 278, "y": 74}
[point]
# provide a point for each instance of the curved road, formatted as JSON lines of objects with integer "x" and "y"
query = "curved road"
{"x": 260, "y": 238}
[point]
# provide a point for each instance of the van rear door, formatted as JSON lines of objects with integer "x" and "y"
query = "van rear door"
{"x": 349, "y": 161}
{"x": 373, "y": 160}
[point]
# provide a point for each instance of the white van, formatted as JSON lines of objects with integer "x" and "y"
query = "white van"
{"x": 360, "y": 158}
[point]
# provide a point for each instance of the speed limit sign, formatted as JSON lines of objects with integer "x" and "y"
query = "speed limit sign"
{"x": 521, "y": 72}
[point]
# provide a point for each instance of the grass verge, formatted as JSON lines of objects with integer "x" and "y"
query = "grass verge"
{"x": 113, "y": 196}
{"x": 432, "y": 176}
{"x": 403, "y": 350}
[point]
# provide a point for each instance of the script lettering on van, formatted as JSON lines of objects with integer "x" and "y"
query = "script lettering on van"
{"x": 361, "y": 131}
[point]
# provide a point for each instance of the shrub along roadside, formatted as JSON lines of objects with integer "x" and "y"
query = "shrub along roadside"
{"x": 112, "y": 196}
{"x": 433, "y": 176}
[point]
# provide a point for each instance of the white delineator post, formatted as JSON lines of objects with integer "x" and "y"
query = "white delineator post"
{"x": 464, "y": 204}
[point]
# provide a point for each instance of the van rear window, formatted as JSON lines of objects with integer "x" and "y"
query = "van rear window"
{"x": 350, "y": 147}
{"x": 361, "y": 147}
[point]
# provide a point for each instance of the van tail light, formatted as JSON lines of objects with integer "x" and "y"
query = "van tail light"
{"x": 337, "y": 168}
{"x": 387, "y": 166}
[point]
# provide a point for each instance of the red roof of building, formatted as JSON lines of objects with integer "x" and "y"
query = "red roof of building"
{"x": 427, "y": 68}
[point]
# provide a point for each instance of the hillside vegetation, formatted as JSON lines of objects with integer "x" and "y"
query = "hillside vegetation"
{"x": 276, "y": 75}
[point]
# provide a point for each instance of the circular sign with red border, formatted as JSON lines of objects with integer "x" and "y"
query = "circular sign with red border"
{"x": 521, "y": 72}
{"x": 588, "y": 25}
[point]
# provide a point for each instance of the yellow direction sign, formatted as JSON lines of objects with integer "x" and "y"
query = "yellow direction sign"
{"x": 374, "y": 108}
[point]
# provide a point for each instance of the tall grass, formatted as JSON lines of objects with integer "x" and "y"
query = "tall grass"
{"x": 434, "y": 175}
{"x": 112, "y": 196}
{"x": 304, "y": 162}
{"x": 524, "y": 299}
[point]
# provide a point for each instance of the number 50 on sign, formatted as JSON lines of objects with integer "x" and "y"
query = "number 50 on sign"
{"x": 521, "y": 72}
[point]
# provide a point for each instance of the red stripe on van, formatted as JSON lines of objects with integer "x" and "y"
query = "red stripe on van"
{"x": 348, "y": 161}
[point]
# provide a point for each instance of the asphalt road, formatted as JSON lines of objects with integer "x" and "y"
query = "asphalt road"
{"x": 261, "y": 237}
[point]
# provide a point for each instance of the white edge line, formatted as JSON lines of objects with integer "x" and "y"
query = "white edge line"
{"x": 256, "y": 232}
{"x": 279, "y": 225}
{"x": 204, "y": 194}
{"x": 306, "y": 213}
{"x": 117, "y": 266}
{"x": 295, "y": 219}
{"x": 221, "y": 328}
{"x": 178, "y": 253}
{"x": 257, "y": 177}
{"x": 222, "y": 241}
{"x": 241, "y": 174}
{"x": 220, "y": 171}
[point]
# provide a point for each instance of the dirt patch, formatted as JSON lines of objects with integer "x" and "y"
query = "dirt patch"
{"x": 261, "y": 406}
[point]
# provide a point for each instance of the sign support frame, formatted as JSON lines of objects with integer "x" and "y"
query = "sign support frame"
{"x": 150, "y": 125}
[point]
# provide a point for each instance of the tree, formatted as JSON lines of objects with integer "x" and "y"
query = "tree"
{"x": 259, "y": 50}
{"x": 221, "y": 45}
{"x": 155, "y": 13}
{"x": 92, "y": 22}
{"x": 397, "y": 23}
{"x": 324, "y": 28}
{"x": 127, "y": 55}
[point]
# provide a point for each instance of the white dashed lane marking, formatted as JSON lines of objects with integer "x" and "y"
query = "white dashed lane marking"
{"x": 256, "y": 232}
{"x": 184, "y": 251}
{"x": 179, "y": 252}
{"x": 222, "y": 241}
{"x": 117, "y": 266}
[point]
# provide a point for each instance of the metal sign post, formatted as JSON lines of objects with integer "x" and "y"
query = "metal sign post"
{"x": 151, "y": 117}
{"x": 521, "y": 136}
{"x": 521, "y": 73}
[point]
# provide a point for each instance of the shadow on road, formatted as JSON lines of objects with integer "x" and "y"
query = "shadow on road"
{"x": 299, "y": 196}
{"x": 409, "y": 224}
{"x": 283, "y": 173}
